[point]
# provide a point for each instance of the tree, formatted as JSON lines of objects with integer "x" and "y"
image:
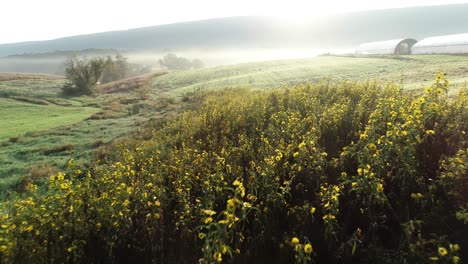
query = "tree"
{"x": 82, "y": 74}
{"x": 115, "y": 69}
{"x": 197, "y": 64}
{"x": 172, "y": 62}
{"x": 119, "y": 68}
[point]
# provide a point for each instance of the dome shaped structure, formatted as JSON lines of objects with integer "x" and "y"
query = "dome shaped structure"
{"x": 388, "y": 47}
{"x": 448, "y": 44}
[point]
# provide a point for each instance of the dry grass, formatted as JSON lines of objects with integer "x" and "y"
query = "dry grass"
{"x": 129, "y": 84}
{"x": 41, "y": 170}
{"x": 11, "y": 76}
{"x": 56, "y": 149}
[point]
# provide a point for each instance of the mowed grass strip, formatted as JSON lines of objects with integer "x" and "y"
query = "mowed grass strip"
{"x": 17, "y": 118}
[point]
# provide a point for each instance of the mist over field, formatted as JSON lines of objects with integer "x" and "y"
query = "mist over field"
{"x": 216, "y": 57}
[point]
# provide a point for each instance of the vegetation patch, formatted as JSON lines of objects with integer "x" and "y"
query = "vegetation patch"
{"x": 328, "y": 172}
{"x": 59, "y": 149}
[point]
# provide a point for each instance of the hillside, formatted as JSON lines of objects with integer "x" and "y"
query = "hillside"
{"x": 122, "y": 108}
{"x": 339, "y": 31}
{"x": 412, "y": 71}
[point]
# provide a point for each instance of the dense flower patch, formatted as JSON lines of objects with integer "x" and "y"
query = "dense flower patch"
{"x": 329, "y": 173}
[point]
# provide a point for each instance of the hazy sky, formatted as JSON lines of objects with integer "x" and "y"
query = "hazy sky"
{"x": 24, "y": 20}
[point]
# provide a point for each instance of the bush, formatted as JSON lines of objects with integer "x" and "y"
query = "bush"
{"x": 82, "y": 75}
{"x": 329, "y": 173}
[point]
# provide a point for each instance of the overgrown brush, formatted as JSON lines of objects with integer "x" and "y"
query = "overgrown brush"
{"x": 328, "y": 173}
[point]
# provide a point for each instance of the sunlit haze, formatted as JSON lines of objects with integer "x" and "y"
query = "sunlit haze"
{"x": 27, "y": 20}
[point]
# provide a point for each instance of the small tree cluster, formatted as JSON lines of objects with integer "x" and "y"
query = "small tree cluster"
{"x": 119, "y": 68}
{"x": 83, "y": 74}
{"x": 172, "y": 62}
{"x": 116, "y": 69}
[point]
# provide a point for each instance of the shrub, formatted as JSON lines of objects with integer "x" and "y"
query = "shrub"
{"x": 82, "y": 75}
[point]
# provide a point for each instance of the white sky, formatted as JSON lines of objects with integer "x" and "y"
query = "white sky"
{"x": 25, "y": 20}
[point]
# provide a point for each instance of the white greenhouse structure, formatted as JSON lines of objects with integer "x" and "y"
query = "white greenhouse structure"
{"x": 448, "y": 44}
{"x": 388, "y": 47}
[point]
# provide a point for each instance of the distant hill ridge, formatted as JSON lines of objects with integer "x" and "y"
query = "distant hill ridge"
{"x": 339, "y": 31}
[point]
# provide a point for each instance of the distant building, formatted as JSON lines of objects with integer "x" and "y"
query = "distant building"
{"x": 448, "y": 44}
{"x": 388, "y": 47}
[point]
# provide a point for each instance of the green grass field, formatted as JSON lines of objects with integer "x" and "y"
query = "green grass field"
{"x": 21, "y": 117}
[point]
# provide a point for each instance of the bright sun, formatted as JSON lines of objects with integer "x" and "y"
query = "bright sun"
{"x": 294, "y": 20}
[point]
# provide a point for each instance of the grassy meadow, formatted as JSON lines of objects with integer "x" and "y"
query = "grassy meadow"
{"x": 322, "y": 160}
{"x": 412, "y": 72}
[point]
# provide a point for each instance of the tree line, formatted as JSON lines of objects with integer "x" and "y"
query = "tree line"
{"x": 84, "y": 74}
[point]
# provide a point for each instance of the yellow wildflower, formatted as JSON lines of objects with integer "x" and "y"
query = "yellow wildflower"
{"x": 295, "y": 240}
{"x": 312, "y": 210}
{"x": 209, "y": 212}
{"x": 231, "y": 204}
{"x": 29, "y": 228}
{"x": 298, "y": 247}
{"x": 442, "y": 251}
{"x": 328, "y": 217}
{"x": 241, "y": 191}
{"x": 454, "y": 247}
{"x": 416, "y": 195}
{"x": 218, "y": 256}
{"x": 308, "y": 248}
{"x": 60, "y": 176}
{"x": 302, "y": 144}
{"x": 380, "y": 187}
